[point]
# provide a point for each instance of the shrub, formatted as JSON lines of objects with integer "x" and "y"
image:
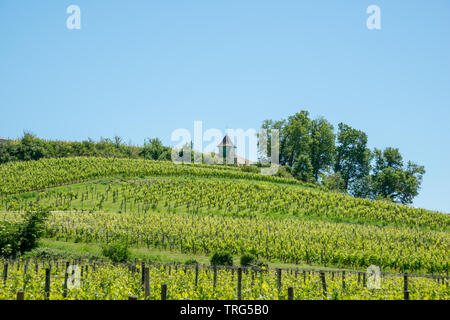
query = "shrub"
{"x": 284, "y": 172}
{"x": 191, "y": 262}
{"x": 247, "y": 260}
{"x": 250, "y": 260}
{"x": 117, "y": 251}
{"x": 18, "y": 238}
{"x": 333, "y": 182}
{"x": 222, "y": 259}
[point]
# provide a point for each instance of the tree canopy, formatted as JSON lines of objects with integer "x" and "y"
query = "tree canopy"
{"x": 344, "y": 161}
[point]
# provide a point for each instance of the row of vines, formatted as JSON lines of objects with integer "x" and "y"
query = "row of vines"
{"x": 49, "y": 280}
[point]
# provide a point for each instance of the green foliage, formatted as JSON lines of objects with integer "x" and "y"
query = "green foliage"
{"x": 27, "y": 176}
{"x": 278, "y": 218}
{"x": 307, "y": 146}
{"x": 322, "y": 148}
{"x": 117, "y": 251}
{"x": 154, "y": 150}
{"x": 108, "y": 281}
{"x": 391, "y": 180}
{"x": 19, "y": 237}
{"x": 53, "y": 253}
{"x": 8, "y": 239}
{"x": 303, "y": 170}
{"x": 352, "y": 155}
{"x": 222, "y": 258}
{"x": 248, "y": 259}
{"x": 30, "y": 147}
{"x": 191, "y": 262}
{"x": 250, "y": 168}
{"x": 333, "y": 182}
{"x": 284, "y": 172}
{"x": 295, "y": 139}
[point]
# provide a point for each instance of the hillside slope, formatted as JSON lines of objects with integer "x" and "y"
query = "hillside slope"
{"x": 202, "y": 209}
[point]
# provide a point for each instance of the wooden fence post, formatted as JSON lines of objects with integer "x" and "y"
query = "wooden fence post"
{"x": 279, "y": 279}
{"x": 143, "y": 273}
{"x": 5, "y": 272}
{"x": 324, "y": 284}
{"x": 164, "y": 291}
{"x": 196, "y": 275}
{"x": 47, "y": 284}
{"x": 66, "y": 278}
{"x": 214, "y": 276}
{"x": 20, "y": 295}
{"x": 239, "y": 286}
{"x": 147, "y": 282}
{"x": 290, "y": 293}
{"x": 405, "y": 287}
{"x": 343, "y": 280}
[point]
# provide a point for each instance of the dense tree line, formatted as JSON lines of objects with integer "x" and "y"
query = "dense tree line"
{"x": 342, "y": 161}
{"x": 30, "y": 147}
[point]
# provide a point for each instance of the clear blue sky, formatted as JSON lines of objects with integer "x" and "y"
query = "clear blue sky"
{"x": 144, "y": 68}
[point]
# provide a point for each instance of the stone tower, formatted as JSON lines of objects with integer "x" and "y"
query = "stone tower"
{"x": 227, "y": 151}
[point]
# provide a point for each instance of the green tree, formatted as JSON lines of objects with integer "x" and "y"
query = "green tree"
{"x": 295, "y": 138}
{"x": 268, "y": 126}
{"x": 17, "y": 238}
{"x": 118, "y": 141}
{"x": 352, "y": 155}
{"x": 301, "y": 139}
{"x": 153, "y": 149}
{"x": 30, "y": 148}
{"x": 8, "y": 152}
{"x": 333, "y": 182}
{"x": 322, "y": 148}
{"x": 303, "y": 170}
{"x": 391, "y": 180}
{"x": 389, "y": 158}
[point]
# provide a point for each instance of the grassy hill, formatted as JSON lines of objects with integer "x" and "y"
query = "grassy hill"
{"x": 200, "y": 209}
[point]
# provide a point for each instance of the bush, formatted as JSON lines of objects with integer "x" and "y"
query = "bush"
{"x": 333, "y": 182}
{"x": 284, "y": 172}
{"x": 222, "y": 259}
{"x": 191, "y": 262}
{"x": 18, "y": 238}
{"x": 117, "y": 251}
{"x": 250, "y": 260}
{"x": 247, "y": 260}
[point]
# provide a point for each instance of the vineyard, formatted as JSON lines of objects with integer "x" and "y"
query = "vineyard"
{"x": 100, "y": 281}
{"x": 202, "y": 209}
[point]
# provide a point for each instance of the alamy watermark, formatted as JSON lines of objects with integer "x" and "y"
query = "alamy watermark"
{"x": 373, "y": 277}
{"x": 74, "y": 277}
{"x": 373, "y": 22}
{"x": 74, "y": 20}
{"x": 191, "y": 149}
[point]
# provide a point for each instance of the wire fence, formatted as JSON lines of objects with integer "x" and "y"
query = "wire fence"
{"x": 62, "y": 274}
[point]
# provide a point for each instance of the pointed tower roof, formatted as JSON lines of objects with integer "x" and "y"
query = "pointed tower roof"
{"x": 226, "y": 142}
